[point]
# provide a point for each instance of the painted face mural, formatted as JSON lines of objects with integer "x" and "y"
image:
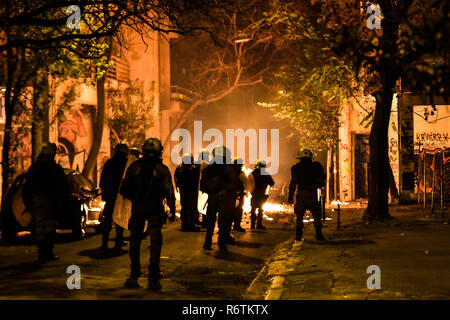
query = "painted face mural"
{"x": 71, "y": 147}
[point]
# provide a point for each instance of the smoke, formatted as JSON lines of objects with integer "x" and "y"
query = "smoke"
{"x": 239, "y": 110}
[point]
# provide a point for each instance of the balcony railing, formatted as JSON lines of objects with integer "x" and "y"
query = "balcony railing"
{"x": 181, "y": 94}
{"x": 120, "y": 71}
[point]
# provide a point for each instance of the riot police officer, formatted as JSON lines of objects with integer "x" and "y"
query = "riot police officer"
{"x": 147, "y": 183}
{"x": 259, "y": 196}
{"x": 238, "y": 210}
{"x": 306, "y": 176}
{"x": 43, "y": 194}
{"x": 219, "y": 181}
{"x": 187, "y": 180}
{"x": 110, "y": 179}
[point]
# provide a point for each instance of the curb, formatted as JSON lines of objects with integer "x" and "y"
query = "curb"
{"x": 278, "y": 267}
{"x": 276, "y": 289}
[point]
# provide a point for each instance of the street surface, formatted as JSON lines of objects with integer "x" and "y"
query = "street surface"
{"x": 412, "y": 251}
{"x": 190, "y": 272}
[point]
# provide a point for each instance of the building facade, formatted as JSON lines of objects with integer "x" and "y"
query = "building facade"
{"x": 73, "y": 132}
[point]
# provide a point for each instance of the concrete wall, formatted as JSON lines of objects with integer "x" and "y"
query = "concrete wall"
{"x": 145, "y": 64}
{"x": 352, "y": 115}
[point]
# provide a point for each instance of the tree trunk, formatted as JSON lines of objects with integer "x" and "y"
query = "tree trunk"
{"x": 377, "y": 208}
{"x": 98, "y": 129}
{"x": 99, "y": 120}
{"x": 6, "y": 168}
{"x": 40, "y": 114}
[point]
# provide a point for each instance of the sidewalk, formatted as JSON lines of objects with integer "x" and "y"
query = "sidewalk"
{"x": 412, "y": 251}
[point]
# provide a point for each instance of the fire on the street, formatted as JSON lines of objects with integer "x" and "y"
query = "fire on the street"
{"x": 268, "y": 206}
{"x": 271, "y": 207}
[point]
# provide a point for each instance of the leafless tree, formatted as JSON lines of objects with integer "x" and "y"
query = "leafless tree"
{"x": 236, "y": 55}
{"x": 29, "y": 28}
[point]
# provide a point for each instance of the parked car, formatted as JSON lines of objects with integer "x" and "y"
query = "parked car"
{"x": 83, "y": 208}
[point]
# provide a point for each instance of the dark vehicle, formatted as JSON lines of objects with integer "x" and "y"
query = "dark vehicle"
{"x": 84, "y": 204}
{"x": 83, "y": 208}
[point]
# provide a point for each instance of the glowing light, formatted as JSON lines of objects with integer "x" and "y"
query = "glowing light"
{"x": 267, "y": 207}
{"x": 202, "y": 202}
{"x": 246, "y": 170}
{"x": 247, "y": 203}
{"x": 247, "y": 207}
{"x": 334, "y": 202}
{"x": 242, "y": 40}
{"x": 272, "y": 207}
{"x": 277, "y": 207}
{"x": 23, "y": 233}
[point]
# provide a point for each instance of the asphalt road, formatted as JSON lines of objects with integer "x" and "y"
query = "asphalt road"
{"x": 190, "y": 272}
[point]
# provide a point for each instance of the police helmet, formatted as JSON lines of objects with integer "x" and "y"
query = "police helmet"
{"x": 48, "y": 149}
{"x": 260, "y": 164}
{"x": 221, "y": 151}
{"x": 304, "y": 153}
{"x": 121, "y": 148}
{"x": 152, "y": 146}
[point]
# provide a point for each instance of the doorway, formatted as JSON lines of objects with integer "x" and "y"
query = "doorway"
{"x": 360, "y": 157}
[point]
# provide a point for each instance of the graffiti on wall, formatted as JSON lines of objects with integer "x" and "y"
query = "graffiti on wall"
{"x": 73, "y": 140}
{"x": 394, "y": 150}
{"x": 427, "y": 138}
{"x": 75, "y": 136}
{"x": 431, "y": 131}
